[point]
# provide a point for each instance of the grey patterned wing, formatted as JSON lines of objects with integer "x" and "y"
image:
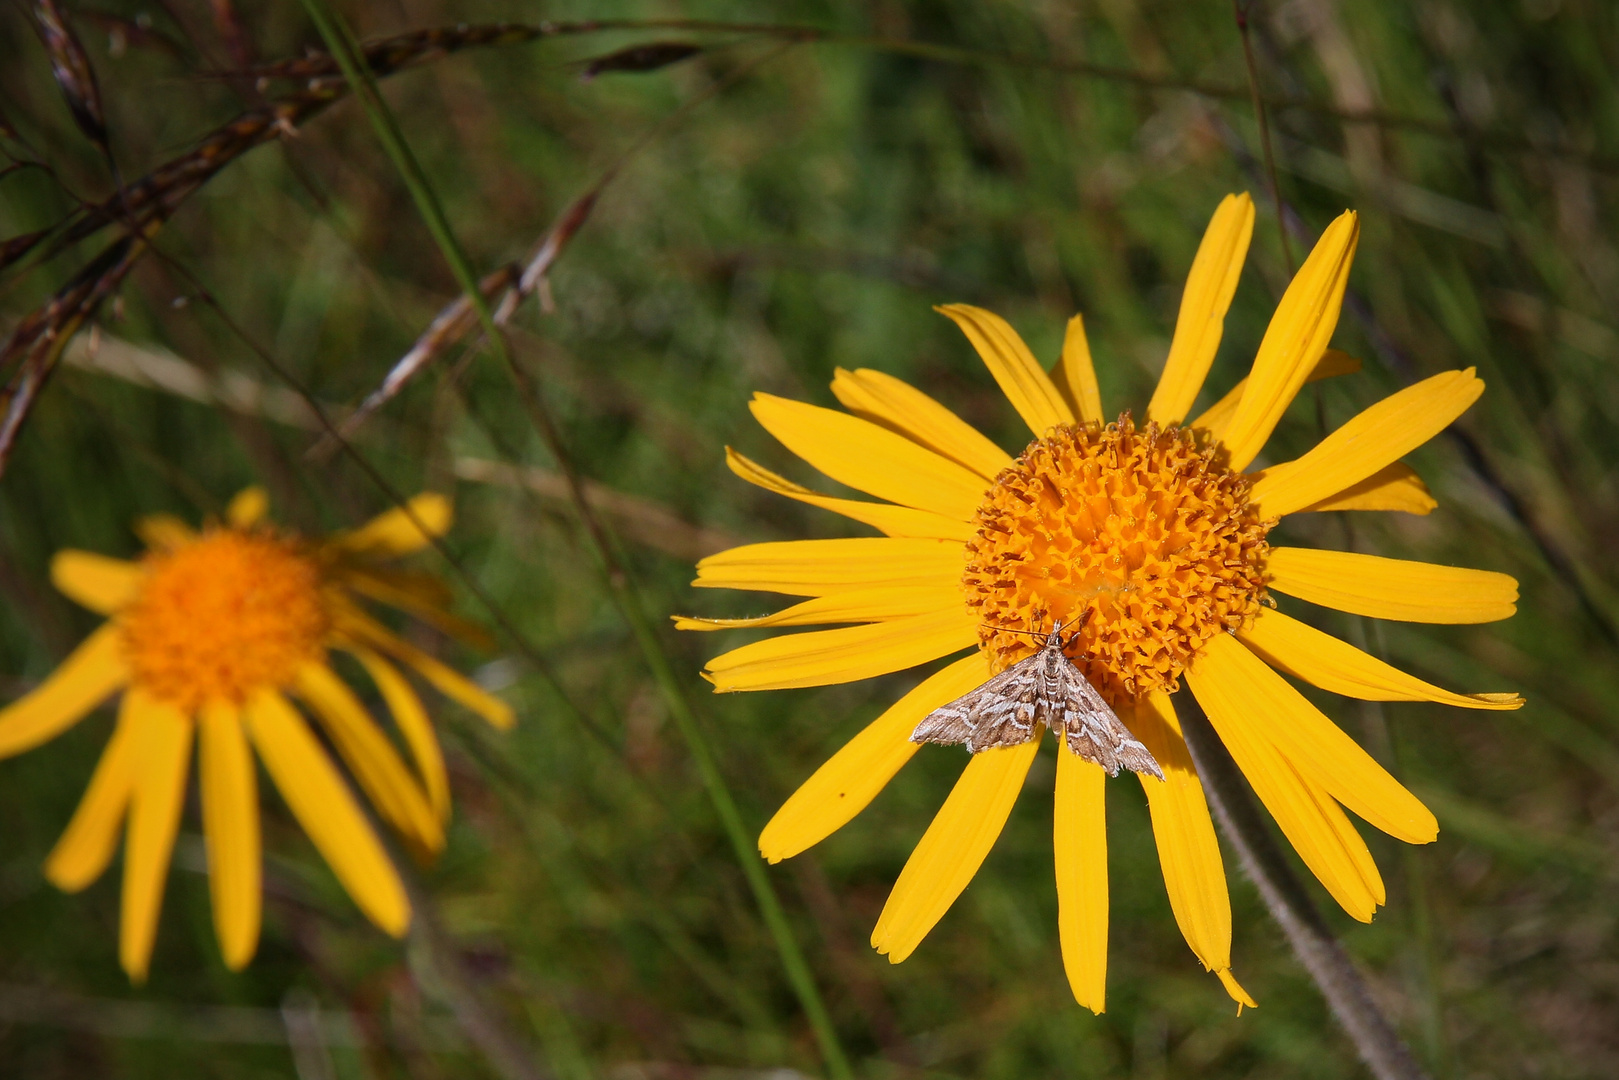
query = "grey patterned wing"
{"x": 1095, "y": 732}
{"x": 998, "y": 713}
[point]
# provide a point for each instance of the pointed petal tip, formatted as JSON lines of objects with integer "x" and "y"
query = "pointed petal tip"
{"x": 1234, "y": 988}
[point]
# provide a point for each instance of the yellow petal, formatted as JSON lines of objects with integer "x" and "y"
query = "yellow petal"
{"x": 400, "y": 531}
{"x": 882, "y": 604}
{"x": 895, "y": 404}
{"x": 164, "y": 532}
{"x": 1080, "y": 851}
{"x": 1075, "y": 377}
{"x": 1393, "y": 487}
{"x": 1376, "y": 437}
{"x": 1209, "y": 288}
{"x": 163, "y": 735}
{"x": 1297, "y": 336}
{"x": 1392, "y": 588}
{"x": 826, "y": 567}
{"x": 847, "y": 654}
{"x": 1021, "y": 378}
{"x": 94, "y": 581}
{"x": 953, "y": 848}
{"x": 87, "y": 845}
{"x": 411, "y": 719}
{"x": 230, "y": 823}
{"x": 1321, "y": 659}
{"x": 89, "y": 675}
{"x": 870, "y": 458}
{"x": 326, "y": 809}
{"x": 1234, "y": 988}
{"x": 409, "y": 592}
{"x": 1218, "y": 416}
{"x": 371, "y": 758}
{"x": 443, "y": 678}
{"x": 1188, "y": 853}
{"x": 1337, "y": 858}
{"x": 247, "y": 509}
{"x": 853, "y": 776}
{"x": 891, "y": 519}
{"x": 1327, "y": 757}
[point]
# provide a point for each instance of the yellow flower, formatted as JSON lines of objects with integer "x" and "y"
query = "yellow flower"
{"x": 1156, "y": 537}
{"x": 208, "y": 633}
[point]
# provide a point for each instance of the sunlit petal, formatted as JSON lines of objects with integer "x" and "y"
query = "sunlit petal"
{"x": 1297, "y": 336}
{"x": 891, "y": 519}
{"x": 163, "y": 735}
{"x": 90, "y": 675}
{"x": 1210, "y": 286}
{"x": 871, "y": 458}
{"x": 950, "y": 852}
{"x": 1021, "y": 378}
{"x": 852, "y": 777}
{"x": 94, "y": 581}
{"x": 230, "y": 820}
{"x": 1080, "y": 850}
{"x": 1392, "y": 588}
{"x": 327, "y": 811}
{"x": 899, "y": 405}
{"x": 823, "y": 657}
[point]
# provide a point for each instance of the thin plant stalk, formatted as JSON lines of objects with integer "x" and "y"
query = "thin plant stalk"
{"x": 349, "y": 57}
{"x": 1313, "y": 943}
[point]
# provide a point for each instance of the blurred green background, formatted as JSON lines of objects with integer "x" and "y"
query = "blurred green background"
{"x": 780, "y": 209}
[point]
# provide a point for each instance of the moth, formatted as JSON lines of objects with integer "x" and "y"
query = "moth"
{"x": 1048, "y": 689}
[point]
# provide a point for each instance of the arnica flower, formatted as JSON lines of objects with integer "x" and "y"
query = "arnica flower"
{"x": 207, "y": 636}
{"x": 1151, "y": 539}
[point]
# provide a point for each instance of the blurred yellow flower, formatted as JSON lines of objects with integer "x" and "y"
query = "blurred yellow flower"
{"x": 209, "y": 633}
{"x": 1152, "y": 540}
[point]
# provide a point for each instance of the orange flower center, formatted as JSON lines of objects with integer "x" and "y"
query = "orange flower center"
{"x": 222, "y": 616}
{"x": 1138, "y": 540}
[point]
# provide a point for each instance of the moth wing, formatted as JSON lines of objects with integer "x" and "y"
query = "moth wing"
{"x": 998, "y": 713}
{"x": 1095, "y": 732}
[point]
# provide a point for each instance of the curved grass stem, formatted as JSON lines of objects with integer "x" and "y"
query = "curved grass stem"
{"x": 345, "y": 49}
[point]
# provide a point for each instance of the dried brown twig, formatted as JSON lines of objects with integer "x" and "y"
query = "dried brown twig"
{"x": 32, "y": 350}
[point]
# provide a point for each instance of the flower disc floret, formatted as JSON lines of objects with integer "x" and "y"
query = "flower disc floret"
{"x": 1138, "y": 538}
{"x": 223, "y": 615}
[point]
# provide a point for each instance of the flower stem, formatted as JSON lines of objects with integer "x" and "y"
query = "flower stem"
{"x": 1313, "y": 943}
{"x": 350, "y": 59}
